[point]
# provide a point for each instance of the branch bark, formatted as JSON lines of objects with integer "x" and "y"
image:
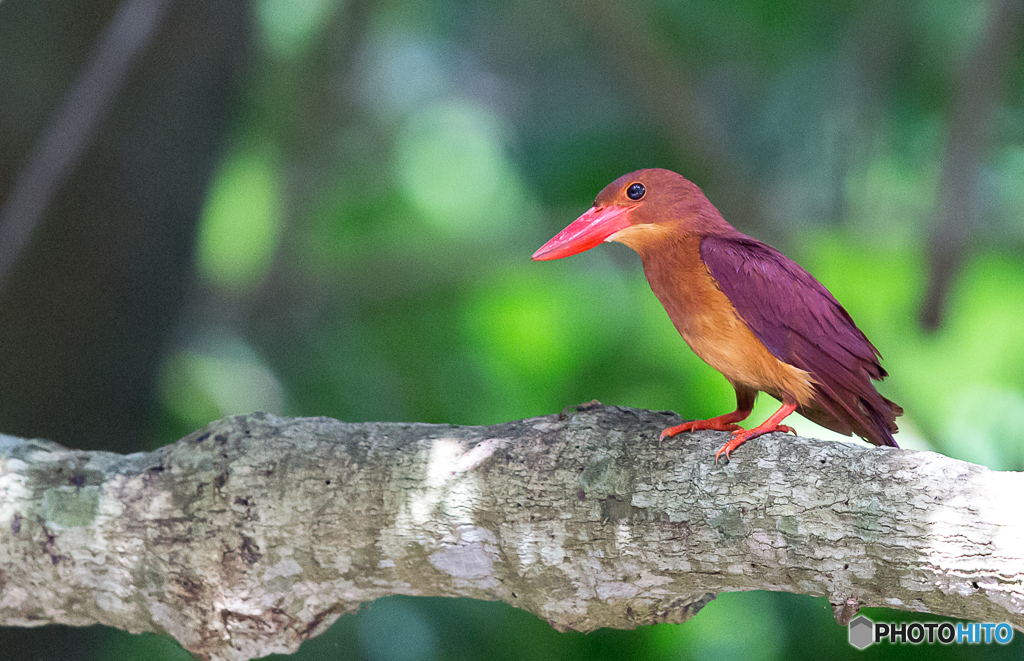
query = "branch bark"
{"x": 257, "y": 532}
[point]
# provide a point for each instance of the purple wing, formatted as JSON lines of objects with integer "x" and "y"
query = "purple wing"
{"x": 802, "y": 324}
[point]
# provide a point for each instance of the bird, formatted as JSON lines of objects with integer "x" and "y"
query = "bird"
{"x": 744, "y": 308}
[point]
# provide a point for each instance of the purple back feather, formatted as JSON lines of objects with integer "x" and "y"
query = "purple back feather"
{"x": 802, "y": 324}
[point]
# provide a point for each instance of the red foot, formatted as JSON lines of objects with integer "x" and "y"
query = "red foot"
{"x": 719, "y": 423}
{"x": 768, "y": 426}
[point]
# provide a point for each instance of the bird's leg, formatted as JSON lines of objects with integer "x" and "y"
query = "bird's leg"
{"x": 744, "y": 404}
{"x": 741, "y": 436}
{"x": 718, "y": 423}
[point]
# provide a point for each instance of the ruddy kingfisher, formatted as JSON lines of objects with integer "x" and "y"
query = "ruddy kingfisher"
{"x": 744, "y": 308}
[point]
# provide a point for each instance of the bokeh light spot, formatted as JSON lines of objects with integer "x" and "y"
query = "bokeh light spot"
{"x": 289, "y": 26}
{"x": 452, "y": 167}
{"x": 712, "y": 634}
{"x": 226, "y": 377}
{"x": 240, "y": 227}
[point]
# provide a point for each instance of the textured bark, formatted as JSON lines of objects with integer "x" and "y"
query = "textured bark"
{"x": 253, "y": 534}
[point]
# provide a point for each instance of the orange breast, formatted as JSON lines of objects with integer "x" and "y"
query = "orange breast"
{"x": 710, "y": 324}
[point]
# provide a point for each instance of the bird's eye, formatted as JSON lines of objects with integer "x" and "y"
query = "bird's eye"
{"x": 635, "y": 191}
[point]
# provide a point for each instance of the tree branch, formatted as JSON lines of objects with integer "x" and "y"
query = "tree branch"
{"x": 249, "y": 536}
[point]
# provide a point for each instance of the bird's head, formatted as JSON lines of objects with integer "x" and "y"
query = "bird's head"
{"x": 641, "y": 209}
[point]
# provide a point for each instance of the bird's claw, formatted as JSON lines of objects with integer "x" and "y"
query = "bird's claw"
{"x": 697, "y": 425}
{"x": 743, "y": 435}
{"x": 738, "y": 438}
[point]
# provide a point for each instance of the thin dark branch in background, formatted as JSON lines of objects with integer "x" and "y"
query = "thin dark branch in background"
{"x": 980, "y": 82}
{"x": 55, "y": 155}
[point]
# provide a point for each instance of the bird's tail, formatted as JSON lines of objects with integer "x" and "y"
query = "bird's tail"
{"x": 885, "y": 421}
{"x": 871, "y": 417}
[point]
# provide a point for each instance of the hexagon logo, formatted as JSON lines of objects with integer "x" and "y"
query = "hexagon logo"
{"x": 862, "y": 632}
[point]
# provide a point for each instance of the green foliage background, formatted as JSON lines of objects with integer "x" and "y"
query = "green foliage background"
{"x": 364, "y": 249}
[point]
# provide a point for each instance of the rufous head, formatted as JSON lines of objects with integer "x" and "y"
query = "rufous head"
{"x": 640, "y": 209}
